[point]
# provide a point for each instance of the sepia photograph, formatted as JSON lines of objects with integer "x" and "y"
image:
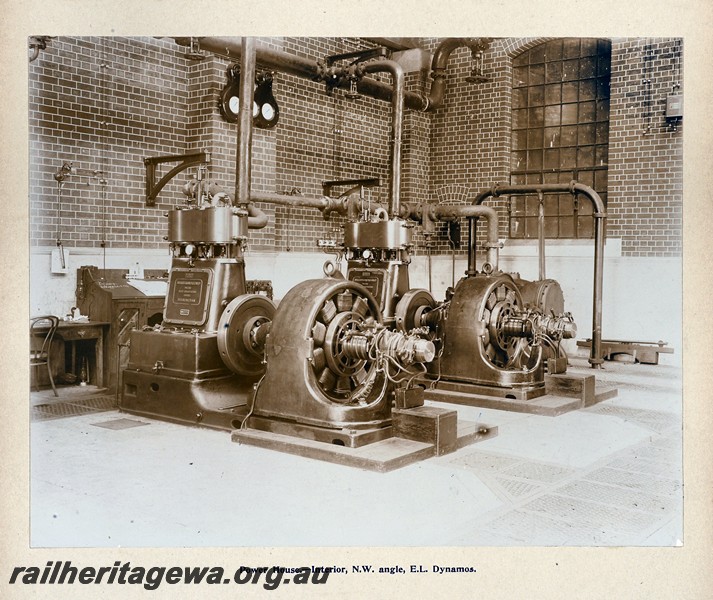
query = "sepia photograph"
{"x": 406, "y": 314}
{"x": 378, "y": 267}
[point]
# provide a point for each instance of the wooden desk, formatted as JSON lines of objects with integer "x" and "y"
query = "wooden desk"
{"x": 74, "y": 335}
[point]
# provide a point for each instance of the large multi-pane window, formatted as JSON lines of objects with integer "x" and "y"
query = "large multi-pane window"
{"x": 560, "y": 132}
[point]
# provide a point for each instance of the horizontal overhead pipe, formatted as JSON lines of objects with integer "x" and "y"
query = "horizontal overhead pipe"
{"x": 230, "y": 48}
{"x": 574, "y": 188}
{"x": 285, "y": 62}
{"x": 322, "y": 203}
{"x": 345, "y": 205}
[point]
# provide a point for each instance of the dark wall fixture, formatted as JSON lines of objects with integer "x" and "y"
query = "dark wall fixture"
{"x": 266, "y": 112}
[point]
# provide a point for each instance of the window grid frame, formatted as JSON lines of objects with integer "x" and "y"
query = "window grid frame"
{"x": 580, "y": 152}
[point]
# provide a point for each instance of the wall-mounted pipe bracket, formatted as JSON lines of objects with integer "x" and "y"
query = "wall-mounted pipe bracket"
{"x": 365, "y": 182}
{"x": 153, "y": 189}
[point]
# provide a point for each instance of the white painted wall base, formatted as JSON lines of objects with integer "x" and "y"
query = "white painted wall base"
{"x": 52, "y": 293}
{"x": 642, "y": 296}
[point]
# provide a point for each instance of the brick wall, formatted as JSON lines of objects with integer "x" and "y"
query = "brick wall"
{"x": 103, "y": 118}
{"x": 645, "y": 153}
{"x": 154, "y": 101}
{"x": 470, "y": 141}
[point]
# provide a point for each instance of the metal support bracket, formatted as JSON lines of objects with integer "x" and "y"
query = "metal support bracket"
{"x": 359, "y": 56}
{"x": 367, "y": 182}
{"x": 153, "y": 189}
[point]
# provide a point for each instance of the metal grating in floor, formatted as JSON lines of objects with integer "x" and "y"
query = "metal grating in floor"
{"x": 619, "y": 497}
{"x": 637, "y": 481}
{"x": 538, "y": 472}
{"x": 98, "y": 402}
{"x": 637, "y": 465}
{"x": 655, "y": 420}
{"x": 654, "y": 454}
{"x": 513, "y": 478}
{"x": 518, "y": 489}
{"x": 527, "y": 526}
{"x": 592, "y": 515}
{"x": 483, "y": 461}
{"x": 72, "y": 408}
{"x": 618, "y": 501}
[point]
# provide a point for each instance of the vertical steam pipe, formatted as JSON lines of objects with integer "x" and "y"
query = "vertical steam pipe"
{"x": 541, "y": 233}
{"x": 245, "y": 122}
{"x": 397, "y": 120}
{"x": 595, "y": 358}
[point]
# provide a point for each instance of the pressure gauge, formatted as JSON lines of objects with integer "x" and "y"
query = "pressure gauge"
{"x": 367, "y": 254}
{"x": 189, "y": 249}
{"x": 229, "y": 102}
{"x": 265, "y": 113}
{"x": 268, "y": 112}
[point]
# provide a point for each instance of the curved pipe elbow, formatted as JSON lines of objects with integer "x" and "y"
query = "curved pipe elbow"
{"x": 439, "y": 65}
{"x": 257, "y": 219}
{"x": 469, "y": 212}
{"x": 599, "y": 208}
{"x": 472, "y": 212}
{"x": 490, "y": 215}
{"x": 443, "y": 52}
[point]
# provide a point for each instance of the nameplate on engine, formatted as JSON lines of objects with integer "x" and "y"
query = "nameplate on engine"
{"x": 371, "y": 279}
{"x": 188, "y": 295}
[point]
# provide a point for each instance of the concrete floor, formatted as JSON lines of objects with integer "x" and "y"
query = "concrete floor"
{"x": 606, "y": 475}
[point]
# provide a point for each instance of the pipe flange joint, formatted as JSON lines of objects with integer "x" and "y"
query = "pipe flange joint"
{"x": 600, "y": 215}
{"x": 438, "y": 72}
{"x": 405, "y": 210}
{"x": 499, "y": 245}
{"x": 321, "y": 72}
